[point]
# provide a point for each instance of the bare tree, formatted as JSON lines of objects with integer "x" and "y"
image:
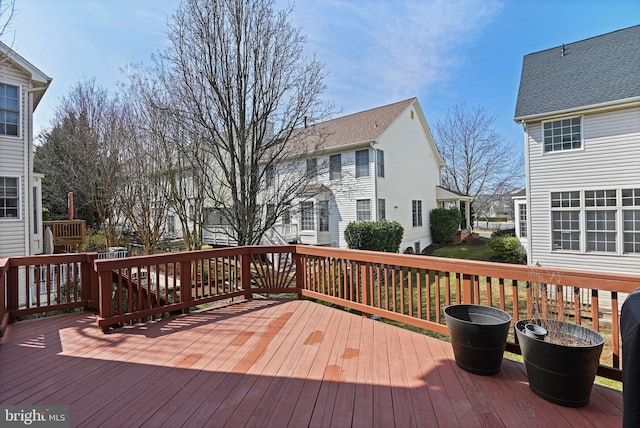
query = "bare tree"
{"x": 478, "y": 161}
{"x": 245, "y": 91}
{"x": 81, "y": 154}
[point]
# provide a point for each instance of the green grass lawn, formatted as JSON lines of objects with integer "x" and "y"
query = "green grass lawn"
{"x": 474, "y": 249}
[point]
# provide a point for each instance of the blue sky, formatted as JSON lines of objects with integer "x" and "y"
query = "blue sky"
{"x": 445, "y": 52}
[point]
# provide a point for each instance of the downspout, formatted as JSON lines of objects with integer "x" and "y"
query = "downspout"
{"x": 375, "y": 181}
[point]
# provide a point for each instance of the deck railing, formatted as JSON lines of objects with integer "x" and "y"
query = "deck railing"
{"x": 413, "y": 290}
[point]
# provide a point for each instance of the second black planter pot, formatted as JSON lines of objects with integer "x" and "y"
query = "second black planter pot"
{"x": 561, "y": 373}
{"x": 478, "y": 336}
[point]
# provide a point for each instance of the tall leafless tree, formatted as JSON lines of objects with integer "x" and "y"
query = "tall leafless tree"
{"x": 245, "y": 90}
{"x": 478, "y": 160}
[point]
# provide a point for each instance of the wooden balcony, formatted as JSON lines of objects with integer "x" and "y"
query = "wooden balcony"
{"x": 288, "y": 362}
{"x": 68, "y": 235}
{"x": 269, "y": 363}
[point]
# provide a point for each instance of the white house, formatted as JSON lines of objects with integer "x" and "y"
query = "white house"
{"x": 579, "y": 105}
{"x": 381, "y": 164}
{"x": 22, "y": 86}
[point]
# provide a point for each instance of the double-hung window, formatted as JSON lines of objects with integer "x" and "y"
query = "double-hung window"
{"x": 9, "y": 197}
{"x": 362, "y": 163}
{"x": 416, "y": 209}
{"x": 323, "y": 216}
{"x": 382, "y": 210}
{"x": 9, "y": 110}
{"x": 363, "y": 210}
{"x": 631, "y": 220}
{"x": 312, "y": 167}
{"x": 600, "y": 216}
{"x": 380, "y": 163}
{"x": 565, "y": 220}
{"x": 335, "y": 167}
{"x": 564, "y": 134}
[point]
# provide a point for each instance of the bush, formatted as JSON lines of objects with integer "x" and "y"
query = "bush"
{"x": 504, "y": 233}
{"x": 508, "y": 248}
{"x": 95, "y": 243}
{"x": 444, "y": 223}
{"x": 380, "y": 235}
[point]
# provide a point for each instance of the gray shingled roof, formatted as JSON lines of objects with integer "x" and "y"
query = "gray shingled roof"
{"x": 601, "y": 69}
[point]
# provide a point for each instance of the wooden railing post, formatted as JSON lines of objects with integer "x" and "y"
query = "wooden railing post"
{"x": 185, "y": 284}
{"x": 245, "y": 273}
{"x": 89, "y": 278}
{"x": 300, "y": 284}
{"x": 105, "y": 299}
{"x": 12, "y": 289}
{"x": 4, "y": 314}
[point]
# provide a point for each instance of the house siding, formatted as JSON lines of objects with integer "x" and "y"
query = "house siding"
{"x": 609, "y": 159}
{"x": 14, "y": 233}
{"x": 411, "y": 173}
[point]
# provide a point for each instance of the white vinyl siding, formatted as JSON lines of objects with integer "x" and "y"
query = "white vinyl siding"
{"x": 608, "y": 160}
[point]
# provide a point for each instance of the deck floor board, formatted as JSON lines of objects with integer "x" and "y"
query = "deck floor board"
{"x": 268, "y": 363}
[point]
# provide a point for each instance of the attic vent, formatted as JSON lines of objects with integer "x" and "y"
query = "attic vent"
{"x": 562, "y": 50}
{"x": 411, "y": 114}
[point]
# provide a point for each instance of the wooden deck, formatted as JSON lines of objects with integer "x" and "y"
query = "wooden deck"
{"x": 268, "y": 363}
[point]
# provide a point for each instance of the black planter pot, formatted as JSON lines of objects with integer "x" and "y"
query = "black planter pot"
{"x": 478, "y": 336}
{"x": 561, "y": 373}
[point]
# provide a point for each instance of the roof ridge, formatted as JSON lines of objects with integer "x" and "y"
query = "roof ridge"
{"x": 583, "y": 40}
{"x": 367, "y": 110}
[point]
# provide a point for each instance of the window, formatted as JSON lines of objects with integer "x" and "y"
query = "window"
{"x": 382, "y": 211}
{"x": 631, "y": 220}
{"x": 565, "y": 222}
{"x": 363, "y": 210}
{"x": 312, "y": 167}
{"x": 35, "y": 210}
{"x": 562, "y": 134}
{"x": 286, "y": 216}
{"x": 335, "y": 167}
{"x": 271, "y": 210}
{"x": 417, "y": 213}
{"x": 9, "y": 199}
{"x": 269, "y": 175}
{"x": 601, "y": 231}
{"x": 171, "y": 225}
{"x": 416, "y": 247}
{"x": 307, "y": 221}
{"x": 522, "y": 220}
{"x": 323, "y": 216}
{"x": 380, "y": 163}
{"x": 362, "y": 163}
{"x": 9, "y": 110}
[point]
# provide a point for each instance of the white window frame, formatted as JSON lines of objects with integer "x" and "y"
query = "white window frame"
{"x": 565, "y": 205}
{"x": 360, "y": 166}
{"x": 4, "y": 198}
{"x": 323, "y": 216}
{"x": 382, "y": 209}
{"x": 416, "y": 213}
{"x": 335, "y": 166}
{"x": 554, "y": 133}
{"x": 363, "y": 210}
{"x": 3, "y": 111}
{"x": 307, "y": 217}
{"x": 380, "y": 163}
{"x": 630, "y": 227}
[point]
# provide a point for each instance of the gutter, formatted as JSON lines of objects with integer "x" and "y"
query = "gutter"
{"x": 609, "y": 105}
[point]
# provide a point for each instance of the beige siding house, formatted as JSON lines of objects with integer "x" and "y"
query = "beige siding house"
{"x": 579, "y": 105}
{"x": 380, "y": 164}
{"x": 22, "y": 86}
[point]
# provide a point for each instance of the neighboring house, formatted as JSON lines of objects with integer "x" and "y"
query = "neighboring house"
{"x": 381, "y": 164}
{"x": 579, "y": 105}
{"x": 22, "y": 86}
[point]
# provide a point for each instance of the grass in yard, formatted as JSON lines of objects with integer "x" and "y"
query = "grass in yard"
{"x": 471, "y": 249}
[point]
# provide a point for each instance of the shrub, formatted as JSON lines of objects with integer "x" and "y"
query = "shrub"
{"x": 95, "y": 242}
{"x": 444, "y": 223}
{"x": 508, "y": 248}
{"x": 380, "y": 235}
{"x": 504, "y": 233}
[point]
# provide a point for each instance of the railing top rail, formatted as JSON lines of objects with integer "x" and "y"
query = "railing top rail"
{"x": 4, "y": 265}
{"x": 110, "y": 264}
{"x": 50, "y": 259}
{"x": 568, "y": 277}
